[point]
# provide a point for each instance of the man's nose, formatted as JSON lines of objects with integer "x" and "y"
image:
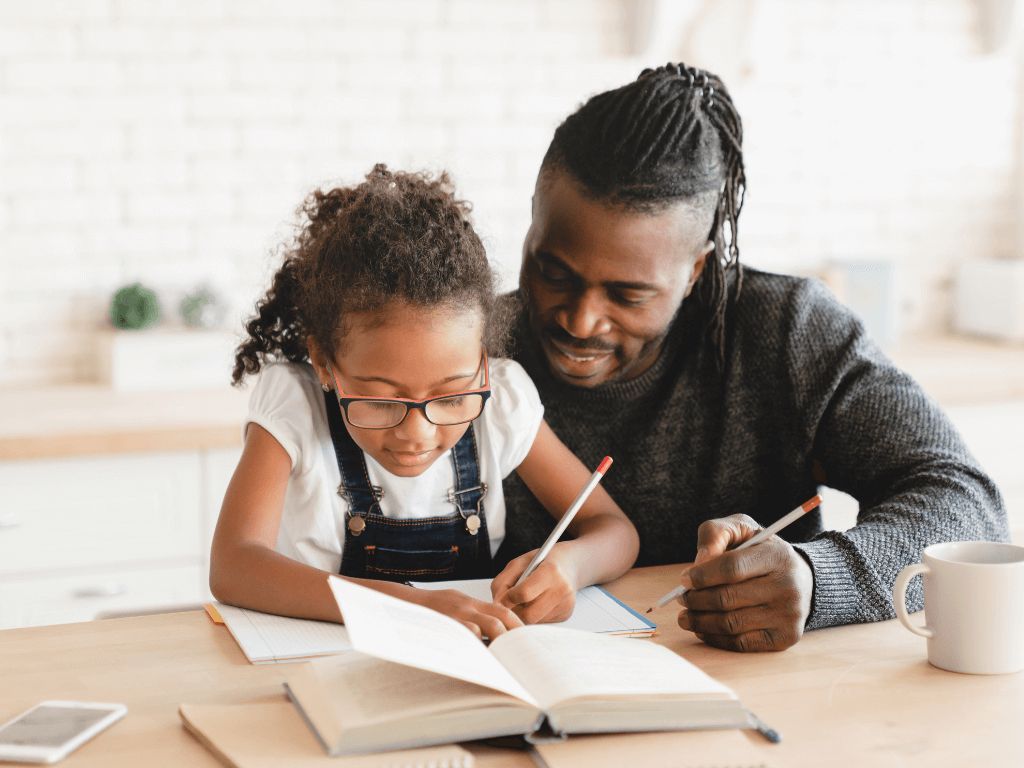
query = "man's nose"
{"x": 585, "y": 316}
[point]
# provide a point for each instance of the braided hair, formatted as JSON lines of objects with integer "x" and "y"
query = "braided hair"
{"x": 672, "y": 135}
{"x": 396, "y": 236}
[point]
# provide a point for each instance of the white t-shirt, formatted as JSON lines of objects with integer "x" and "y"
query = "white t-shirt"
{"x": 288, "y": 402}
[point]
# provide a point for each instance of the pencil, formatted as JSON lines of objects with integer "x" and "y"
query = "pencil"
{"x": 766, "y": 533}
{"x": 570, "y": 513}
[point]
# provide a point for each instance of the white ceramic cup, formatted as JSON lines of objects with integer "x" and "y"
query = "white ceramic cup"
{"x": 973, "y": 605}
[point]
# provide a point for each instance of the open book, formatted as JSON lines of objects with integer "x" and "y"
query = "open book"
{"x": 422, "y": 678}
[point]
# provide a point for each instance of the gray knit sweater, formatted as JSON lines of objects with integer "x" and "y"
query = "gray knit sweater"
{"x": 804, "y": 397}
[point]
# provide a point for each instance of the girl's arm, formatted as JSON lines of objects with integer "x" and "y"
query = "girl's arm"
{"x": 605, "y": 543}
{"x": 245, "y": 570}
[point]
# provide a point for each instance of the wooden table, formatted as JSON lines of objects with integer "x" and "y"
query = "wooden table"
{"x": 860, "y": 695}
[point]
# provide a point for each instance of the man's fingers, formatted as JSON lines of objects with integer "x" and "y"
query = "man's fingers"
{"x": 729, "y": 597}
{"x": 718, "y": 535}
{"x": 735, "y": 566}
{"x": 737, "y": 622}
{"x": 758, "y": 640}
{"x": 474, "y": 628}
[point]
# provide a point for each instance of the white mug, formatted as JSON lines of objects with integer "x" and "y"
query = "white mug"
{"x": 973, "y": 605}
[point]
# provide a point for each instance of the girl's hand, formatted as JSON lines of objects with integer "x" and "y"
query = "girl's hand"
{"x": 548, "y": 595}
{"x": 484, "y": 619}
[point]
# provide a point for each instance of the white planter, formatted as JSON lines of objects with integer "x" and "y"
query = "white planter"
{"x": 166, "y": 359}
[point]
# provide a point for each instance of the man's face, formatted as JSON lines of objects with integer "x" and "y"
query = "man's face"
{"x": 602, "y": 283}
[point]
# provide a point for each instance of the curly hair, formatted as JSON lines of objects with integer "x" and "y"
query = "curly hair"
{"x": 396, "y": 236}
{"x": 672, "y": 135}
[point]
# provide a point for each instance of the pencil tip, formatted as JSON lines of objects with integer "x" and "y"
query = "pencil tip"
{"x": 648, "y": 610}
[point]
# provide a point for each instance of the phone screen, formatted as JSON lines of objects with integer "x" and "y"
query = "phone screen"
{"x": 50, "y": 726}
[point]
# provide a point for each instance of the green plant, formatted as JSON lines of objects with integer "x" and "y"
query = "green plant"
{"x": 202, "y": 308}
{"x": 134, "y": 307}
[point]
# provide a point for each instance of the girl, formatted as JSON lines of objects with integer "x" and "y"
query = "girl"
{"x": 380, "y": 430}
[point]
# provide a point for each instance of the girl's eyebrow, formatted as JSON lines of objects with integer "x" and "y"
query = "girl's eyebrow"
{"x": 397, "y": 385}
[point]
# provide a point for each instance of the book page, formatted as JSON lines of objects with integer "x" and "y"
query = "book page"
{"x": 557, "y": 664}
{"x": 264, "y": 637}
{"x": 595, "y": 610}
{"x": 391, "y": 629}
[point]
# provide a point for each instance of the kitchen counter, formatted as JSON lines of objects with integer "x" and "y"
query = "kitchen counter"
{"x": 76, "y": 420}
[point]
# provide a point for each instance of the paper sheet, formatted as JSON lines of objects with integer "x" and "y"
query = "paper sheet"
{"x": 595, "y": 611}
{"x": 265, "y": 638}
{"x": 391, "y": 629}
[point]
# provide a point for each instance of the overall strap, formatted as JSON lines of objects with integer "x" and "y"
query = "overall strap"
{"x": 468, "y": 493}
{"x": 355, "y": 487}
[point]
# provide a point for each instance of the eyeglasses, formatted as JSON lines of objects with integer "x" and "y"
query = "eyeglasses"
{"x": 443, "y": 410}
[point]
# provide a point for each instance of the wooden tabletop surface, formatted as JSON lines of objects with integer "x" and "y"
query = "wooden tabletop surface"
{"x": 857, "y": 695}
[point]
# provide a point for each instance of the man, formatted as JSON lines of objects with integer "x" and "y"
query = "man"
{"x": 726, "y": 396}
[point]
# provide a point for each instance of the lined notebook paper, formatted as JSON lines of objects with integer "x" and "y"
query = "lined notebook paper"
{"x": 266, "y": 639}
{"x": 596, "y": 610}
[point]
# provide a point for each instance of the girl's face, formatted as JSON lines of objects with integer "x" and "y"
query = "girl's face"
{"x": 409, "y": 352}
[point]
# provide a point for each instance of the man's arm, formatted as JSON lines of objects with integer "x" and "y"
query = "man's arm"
{"x": 884, "y": 442}
{"x": 876, "y": 436}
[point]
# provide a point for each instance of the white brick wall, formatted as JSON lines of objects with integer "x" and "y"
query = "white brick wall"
{"x": 170, "y": 142}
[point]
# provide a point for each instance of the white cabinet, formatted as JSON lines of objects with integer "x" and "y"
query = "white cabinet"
{"x": 90, "y": 536}
{"x": 89, "y": 595}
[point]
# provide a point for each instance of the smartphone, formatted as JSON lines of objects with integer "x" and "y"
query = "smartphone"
{"x": 52, "y": 729}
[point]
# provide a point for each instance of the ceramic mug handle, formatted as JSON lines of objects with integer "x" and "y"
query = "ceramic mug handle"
{"x": 899, "y": 597}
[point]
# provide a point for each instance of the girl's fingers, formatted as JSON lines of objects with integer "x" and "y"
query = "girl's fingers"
{"x": 491, "y": 626}
{"x": 505, "y": 580}
{"x": 539, "y": 582}
{"x": 502, "y": 614}
{"x": 474, "y": 628}
{"x": 544, "y": 608}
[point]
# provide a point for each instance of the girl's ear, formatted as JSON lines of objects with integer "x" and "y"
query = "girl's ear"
{"x": 320, "y": 363}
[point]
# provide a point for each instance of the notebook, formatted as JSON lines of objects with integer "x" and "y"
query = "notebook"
{"x": 421, "y": 678}
{"x": 269, "y": 734}
{"x": 266, "y": 639}
{"x": 596, "y": 610}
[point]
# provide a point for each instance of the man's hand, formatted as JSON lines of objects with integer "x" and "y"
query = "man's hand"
{"x": 757, "y": 599}
{"x": 549, "y": 594}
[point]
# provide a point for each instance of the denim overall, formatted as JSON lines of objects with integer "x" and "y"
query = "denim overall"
{"x": 454, "y": 546}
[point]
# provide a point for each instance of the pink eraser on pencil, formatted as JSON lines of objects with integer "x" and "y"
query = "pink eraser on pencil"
{"x": 605, "y": 463}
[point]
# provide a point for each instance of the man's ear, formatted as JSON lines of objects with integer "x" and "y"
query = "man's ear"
{"x": 698, "y": 265}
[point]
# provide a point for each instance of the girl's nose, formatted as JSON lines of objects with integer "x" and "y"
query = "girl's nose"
{"x": 415, "y": 427}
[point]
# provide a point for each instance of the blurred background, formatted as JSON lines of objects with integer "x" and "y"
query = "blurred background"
{"x": 166, "y": 146}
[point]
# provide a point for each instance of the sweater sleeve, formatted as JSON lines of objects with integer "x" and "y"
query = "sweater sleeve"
{"x": 878, "y": 437}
